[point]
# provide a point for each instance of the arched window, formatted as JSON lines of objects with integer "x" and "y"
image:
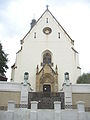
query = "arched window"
{"x": 47, "y": 57}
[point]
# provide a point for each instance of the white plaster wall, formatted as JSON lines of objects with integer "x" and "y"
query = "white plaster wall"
{"x": 81, "y": 88}
{"x": 87, "y": 116}
{"x": 32, "y": 48}
{"x": 67, "y": 116}
{"x": 24, "y": 114}
{"x": 6, "y": 115}
{"x": 18, "y": 68}
{"x": 10, "y": 86}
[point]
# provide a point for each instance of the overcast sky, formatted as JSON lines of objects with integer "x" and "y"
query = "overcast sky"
{"x": 73, "y": 15}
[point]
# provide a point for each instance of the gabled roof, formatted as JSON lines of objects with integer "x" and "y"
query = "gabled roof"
{"x": 72, "y": 41}
{"x": 44, "y": 68}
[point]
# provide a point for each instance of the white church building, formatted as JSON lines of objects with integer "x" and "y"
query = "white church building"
{"x": 43, "y": 78}
{"x": 48, "y": 55}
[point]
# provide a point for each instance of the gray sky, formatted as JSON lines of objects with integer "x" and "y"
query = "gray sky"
{"x": 73, "y": 15}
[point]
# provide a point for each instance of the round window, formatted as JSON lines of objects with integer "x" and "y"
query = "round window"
{"x": 47, "y": 30}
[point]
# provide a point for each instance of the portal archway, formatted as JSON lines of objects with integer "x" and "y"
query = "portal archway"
{"x": 47, "y": 79}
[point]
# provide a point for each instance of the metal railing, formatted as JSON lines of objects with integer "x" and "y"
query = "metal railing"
{"x": 21, "y": 106}
{"x": 70, "y": 107}
{"x": 87, "y": 109}
{"x": 3, "y": 108}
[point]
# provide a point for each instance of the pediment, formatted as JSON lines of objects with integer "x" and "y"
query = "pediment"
{"x": 47, "y": 69}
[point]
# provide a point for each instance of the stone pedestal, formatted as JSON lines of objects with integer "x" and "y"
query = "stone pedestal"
{"x": 34, "y": 105}
{"x": 80, "y": 106}
{"x": 33, "y": 113}
{"x": 57, "y": 109}
{"x": 81, "y": 110}
{"x": 57, "y": 106}
{"x": 11, "y": 105}
{"x": 68, "y": 94}
{"x": 24, "y": 94}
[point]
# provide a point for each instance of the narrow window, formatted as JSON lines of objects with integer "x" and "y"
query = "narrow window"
{"x": 59, "y": 35}
{"x": 35, "y": 35}
{"x": 46, "y": 20}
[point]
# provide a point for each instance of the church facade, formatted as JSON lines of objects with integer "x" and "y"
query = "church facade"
{"x": 41, "y": 77}
{"x": 48, "y": 56}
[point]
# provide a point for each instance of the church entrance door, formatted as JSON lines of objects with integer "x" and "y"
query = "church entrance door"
{"x": 46, "y": 88}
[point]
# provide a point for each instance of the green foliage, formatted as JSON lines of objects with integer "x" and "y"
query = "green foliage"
{"x": 3, "y": 61}
{"x": 84, "y": 79}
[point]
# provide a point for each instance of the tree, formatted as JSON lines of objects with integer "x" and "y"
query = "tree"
{"x": 84, "y": 79}
{"x": 3, "y": 61}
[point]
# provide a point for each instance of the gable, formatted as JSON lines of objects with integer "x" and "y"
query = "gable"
{"x": 47, "y": 69}
{"x": 47, "y": 20}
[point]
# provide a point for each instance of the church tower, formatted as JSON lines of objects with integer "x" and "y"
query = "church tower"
{"x": 47, "y": 54}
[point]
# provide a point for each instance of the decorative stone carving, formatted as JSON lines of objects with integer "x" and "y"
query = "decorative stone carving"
{"x": 46, "y": 76}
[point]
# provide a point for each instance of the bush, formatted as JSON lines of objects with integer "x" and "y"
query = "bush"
{"x": 84, "y": 79}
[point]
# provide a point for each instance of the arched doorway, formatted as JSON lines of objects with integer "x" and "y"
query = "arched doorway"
{"x": 46, "y": 80}
{"x": 47, "y": 88}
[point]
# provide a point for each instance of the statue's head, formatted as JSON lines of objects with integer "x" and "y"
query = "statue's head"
{"x": 26, "y": 76}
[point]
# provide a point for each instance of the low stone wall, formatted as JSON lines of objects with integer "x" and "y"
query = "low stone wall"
{"x": 46, "y": 114}
{"x": 10, "y": 86}
{"x": 6, "y": 96}
{"x": 81, "y": 92}
{"x": 13, "y": 91}
{"x": 9, "y": 91}
{"x": 82, "y": 97}
{"x": 77, "y": 92}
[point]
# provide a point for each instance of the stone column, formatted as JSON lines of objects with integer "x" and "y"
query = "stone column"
{"x": 81, "y": 110}
{"x": 11, "y": 105}
{"x": 33, "y": 113}
{"x": 57, "y": 109}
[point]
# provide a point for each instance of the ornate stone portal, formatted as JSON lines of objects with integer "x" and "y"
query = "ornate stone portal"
{"x": 46, "y": 79}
